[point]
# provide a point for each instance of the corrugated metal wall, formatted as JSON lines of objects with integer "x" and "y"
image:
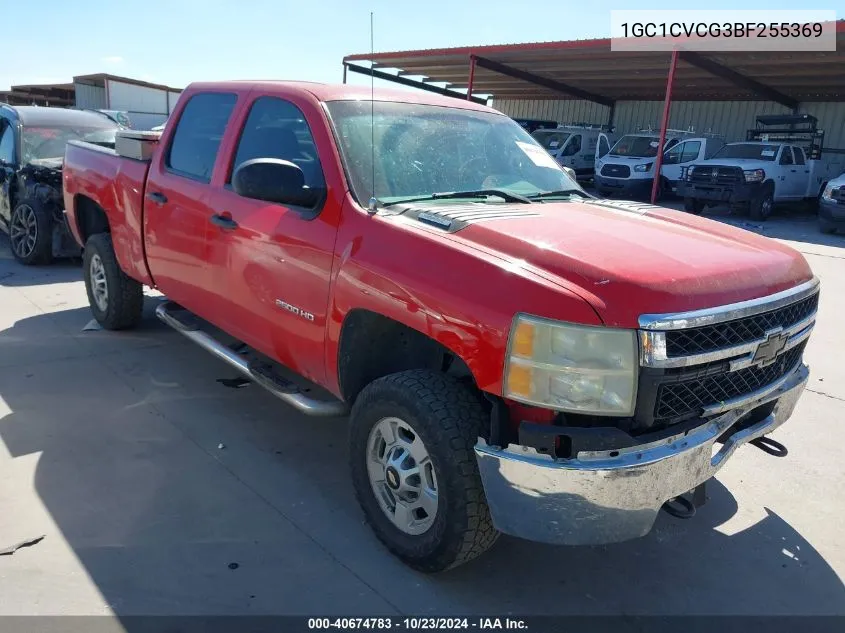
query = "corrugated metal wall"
{"x": 93, "y": 97}
{"x": 729, "y": 118}
{"x": 133, "y": 98}
{"x": 172, "y": 98}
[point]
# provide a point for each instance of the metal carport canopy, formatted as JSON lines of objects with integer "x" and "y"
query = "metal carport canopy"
{"x": 588, "y": 69}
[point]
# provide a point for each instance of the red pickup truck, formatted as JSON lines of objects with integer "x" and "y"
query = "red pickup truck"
{"x": 517, "y": 355}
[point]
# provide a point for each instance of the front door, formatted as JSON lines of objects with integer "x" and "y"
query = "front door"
{"x": 679, "y": 157}
{"x": 177, "y": 213}
{"x": 278, "y": 258}
{"x": 8, "y": 160}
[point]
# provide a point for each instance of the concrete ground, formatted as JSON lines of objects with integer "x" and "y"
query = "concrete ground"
{"x": 110, "y": 447}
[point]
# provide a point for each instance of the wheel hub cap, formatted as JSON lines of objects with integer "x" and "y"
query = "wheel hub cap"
{"x": 402, "y": 475}
{"x": 23, "y": 231}
{"x": 99, "y": 288}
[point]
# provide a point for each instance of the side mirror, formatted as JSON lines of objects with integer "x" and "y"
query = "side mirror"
{"x": 273, "y": 180}
{"x": 570, "y": 172}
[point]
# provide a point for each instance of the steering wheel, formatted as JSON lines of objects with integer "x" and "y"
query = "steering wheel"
{"x": 477, "y": 164}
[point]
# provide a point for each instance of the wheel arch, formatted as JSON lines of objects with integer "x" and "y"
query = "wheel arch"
{"x": 373, "y": 345}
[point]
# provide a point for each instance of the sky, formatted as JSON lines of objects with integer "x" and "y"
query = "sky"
{"x": 178, "y": 41}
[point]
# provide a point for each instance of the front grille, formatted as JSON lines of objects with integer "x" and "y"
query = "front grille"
{"x": 730, "y": 333}
{"x": 706, "y": 175}
{"x": 679, "y": 400}
{"x": 616, "y": 171}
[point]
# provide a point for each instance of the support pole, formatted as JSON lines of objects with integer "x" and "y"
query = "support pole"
{"x": 344, "y": 73}
{"x": 471, "y": 76}
{"x": 667, "y": 104}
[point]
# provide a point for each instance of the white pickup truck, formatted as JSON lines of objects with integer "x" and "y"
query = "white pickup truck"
{"x": 628, "y": 169}
{"x": 756, "y": 176}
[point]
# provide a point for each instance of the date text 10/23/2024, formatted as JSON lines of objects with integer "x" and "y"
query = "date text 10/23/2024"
{"x": 417, "y": 624}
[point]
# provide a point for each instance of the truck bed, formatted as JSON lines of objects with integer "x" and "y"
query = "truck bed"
{"x": 99, "y": 175}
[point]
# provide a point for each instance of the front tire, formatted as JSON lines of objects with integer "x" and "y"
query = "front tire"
{"x": 691, "y": 205}
{"x": 116, "y": 299}
{"x": 762, "y": 206}
{"x": 31, "y": 232}
{"x": 430, "y": 511}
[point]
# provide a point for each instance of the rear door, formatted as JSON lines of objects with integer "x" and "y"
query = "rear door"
{"x": 790, "y": 178}
{"x": 806, "y": 188}
{"x": 276, "y": 260}
{"x": 177, "y": 209}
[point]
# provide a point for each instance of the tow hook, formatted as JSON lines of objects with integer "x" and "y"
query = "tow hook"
{"x": 681, "y": 507}
{"x": 770, "y": 446}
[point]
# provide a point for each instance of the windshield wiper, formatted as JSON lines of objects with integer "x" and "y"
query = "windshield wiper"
{"x": 557, "y": 193}
{"x": 507, "y": 196}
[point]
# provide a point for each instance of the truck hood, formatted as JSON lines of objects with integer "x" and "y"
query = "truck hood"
{"x": 627, "y": 258}
{"x": 745, "y": 163}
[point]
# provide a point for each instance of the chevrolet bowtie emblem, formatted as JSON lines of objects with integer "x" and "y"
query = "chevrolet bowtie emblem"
{"x": 768, "y": 350}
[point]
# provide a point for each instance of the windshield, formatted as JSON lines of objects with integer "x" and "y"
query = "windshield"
{"x": 636, "y": 146}
{"x": 422, "y": 149}
{"x": 551, "y": 140}
{"x": 753, "y": 151}
{"x": 41, "y": 143}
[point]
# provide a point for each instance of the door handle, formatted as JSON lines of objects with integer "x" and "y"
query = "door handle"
{"x": 793, "y": 170}
{"x": 224, "y": 220}
{"x": 157, "y": 197}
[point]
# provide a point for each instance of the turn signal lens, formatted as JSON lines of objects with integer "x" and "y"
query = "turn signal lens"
{"x": 523, "y": 340}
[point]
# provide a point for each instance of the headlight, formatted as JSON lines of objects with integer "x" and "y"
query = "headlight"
{"x": 754, "y": 175}
{"x": 576, "y": 368}
{"x": 598, "y": 165}
{"x": 689, "y": 172}
{"x": 645, "y": 167}
{"x": 827, "y": 194}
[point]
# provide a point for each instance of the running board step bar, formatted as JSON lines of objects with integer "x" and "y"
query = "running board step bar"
{"x": 261, "y": 373}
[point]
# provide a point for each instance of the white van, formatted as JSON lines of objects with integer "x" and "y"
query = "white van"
{"x": 575, "y": 146}
{"x": 628, "y": 169}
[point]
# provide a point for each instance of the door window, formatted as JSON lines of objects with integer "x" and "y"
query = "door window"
{"x": 690, "y": 151}
{"x": 786, "y": 156}
{"x": 673, "y": 156}
{"x": 276, "y": 128}
{"x": 604, "y": 146}
{"x": 574, "y": 146}
{"x": 7, "y": 143}
{"x": 198, "y": 134}
{"x": 799, "y": 155}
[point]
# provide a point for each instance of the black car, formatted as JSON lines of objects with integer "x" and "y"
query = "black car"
{"x": 32, "y": 148}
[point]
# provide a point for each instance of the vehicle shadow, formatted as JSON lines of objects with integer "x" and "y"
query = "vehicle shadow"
{"x": 14, "y": 274}
{"x": 181, "y": 496}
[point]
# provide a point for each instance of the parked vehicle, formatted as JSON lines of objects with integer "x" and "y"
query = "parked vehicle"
{"x": 628, "y": 169}
{"x": 518, "y": 356}
{"x": 832, "y": 206}
{"x": 32, "y": 145}
{"x": 768, "y": 169}
{"x": 536, "y": 124}
{"x": 576, "y": 146}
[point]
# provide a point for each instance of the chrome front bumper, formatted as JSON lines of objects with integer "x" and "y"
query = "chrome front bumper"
{"x": 611, "y": 496}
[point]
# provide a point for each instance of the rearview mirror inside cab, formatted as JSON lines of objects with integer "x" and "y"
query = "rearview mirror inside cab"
{"x": 274, "y": 180}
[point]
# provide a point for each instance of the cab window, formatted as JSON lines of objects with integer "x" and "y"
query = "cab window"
{"x": 799, "y": 155}
{"x": 786, "y": 156}
{"x": 604, "y": 146}
{"x": 276, "y": 128}
{"x": 196, "y": 141}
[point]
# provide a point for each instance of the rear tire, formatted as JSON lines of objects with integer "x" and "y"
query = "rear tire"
{"x": 31, "y": 233}
{"x": 116, "y": 299}
{"x": 446, "y": 418}
{"x": 691, "y": 205}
